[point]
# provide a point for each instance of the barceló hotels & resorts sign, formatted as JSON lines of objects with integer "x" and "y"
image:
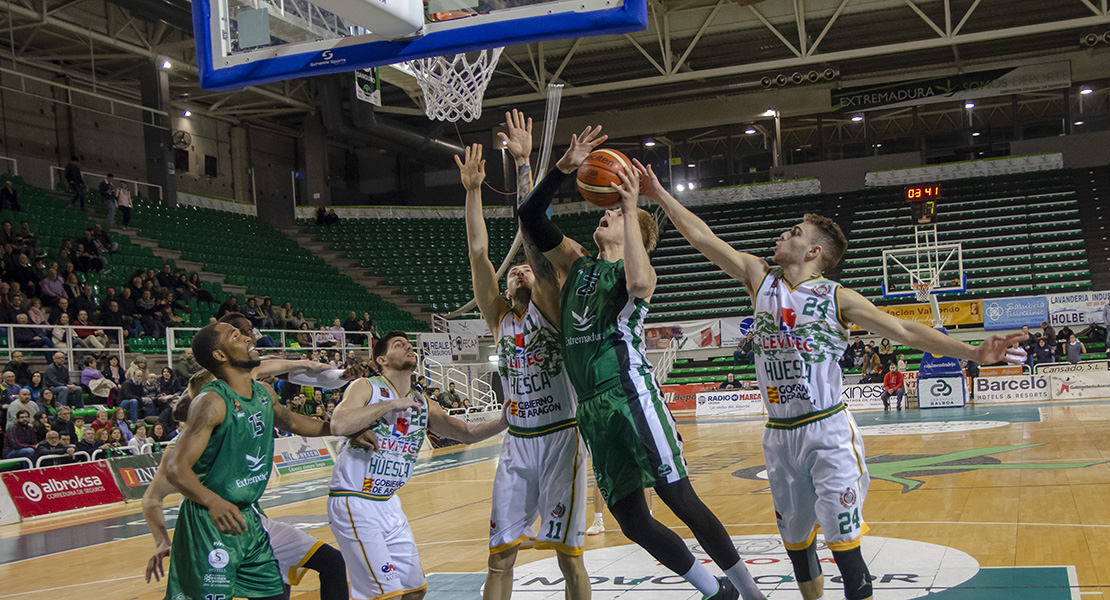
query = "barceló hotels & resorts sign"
{"x": 56, "y": 489}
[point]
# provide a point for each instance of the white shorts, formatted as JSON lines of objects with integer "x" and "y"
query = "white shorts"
{"x": 377, "y": 545}
{"x": 292, "y": 548}
{"x": 818, "y": 479}
{"x": 540, "y": 477}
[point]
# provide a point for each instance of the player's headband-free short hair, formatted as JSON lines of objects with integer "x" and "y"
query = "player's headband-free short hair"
{"x": 382, "y": 346}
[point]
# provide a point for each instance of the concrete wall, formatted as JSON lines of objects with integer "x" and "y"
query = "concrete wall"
{"x": 1080, "y": 151}
{"x": 847, "y": 175}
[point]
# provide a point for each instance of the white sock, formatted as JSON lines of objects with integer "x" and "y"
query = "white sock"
{"x": 739, "y": 575}
{"x": 700, "y": 577}
{"x": 597, "y": 516}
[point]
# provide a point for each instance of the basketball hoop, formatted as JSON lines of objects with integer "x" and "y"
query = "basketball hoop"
{"x": 453, "y": 85}
{"x": 921, "y": 290}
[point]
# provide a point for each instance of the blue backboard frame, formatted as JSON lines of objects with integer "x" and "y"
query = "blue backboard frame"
{"x": 572, "y": 19}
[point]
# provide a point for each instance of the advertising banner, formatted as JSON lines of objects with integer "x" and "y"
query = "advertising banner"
{"x": 729, "y": 402}
{"x": 295, "y": 454}
{"x": 941, "y": 392}
{"x": 954, "y": 88}
{"x": 862, "y": 396}
{"x": 477, "y": 326}
{"x": 1080, "y": 367}
{"x": 1002, "y": 371}
{"x": 733, "y": 330}
{"x": 1086, "y": 385}
{"x": 689, "y": 335}
{"x": 963, "y": 312}
{"x": 133, "y": 474}
{"x": 436, "y": 346}
{"x": 1023, "y": 388}
{"x": 684, "y": 397}
{"x": 464, "y": 345}
{"x": 1013, "y": 313}
{"x": 1077, "y": 308}
{"x": 55, "y": 489}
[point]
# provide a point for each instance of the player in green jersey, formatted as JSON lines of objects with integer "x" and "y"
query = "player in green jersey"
{"x": 801, "y": 485}
{"x": 221, "y": 465}
{"x": 630, "y": 432}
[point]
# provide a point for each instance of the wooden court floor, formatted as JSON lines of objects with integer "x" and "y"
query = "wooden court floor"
{"x": 998, "y": 501}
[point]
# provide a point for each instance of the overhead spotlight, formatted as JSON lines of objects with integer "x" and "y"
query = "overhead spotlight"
{"x": 770, "y": 112}
{"x": 1106, "y": 38}
{"x": 692, "y": 185}
{"x": 649, "y": 143}
{"x": 969, "y": 104}
{"x": 187, "y": 113}
{"x": 766, "y": 81}
{"x": 857, "y": 118}
{"x": 691, "y": 165}
{"x": 166, "y": 64}
{"x": 813, "y": 77}
{"x": 781, "y": 79}
{"x": 1078, "y": 122}
{"x": 680, "y": 187}
{"x": 975, "y": 134}
{"x": 1090, "y": 40}
{"x": 492, "y": 358}
{"x": 878, "y": 145}
{"x": 750, "y": 130}
{"x": 797, "y": 77}
{"x": 830, "y": 73}
{"x": 1086, "y": 91}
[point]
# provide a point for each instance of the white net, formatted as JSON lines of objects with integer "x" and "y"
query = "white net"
{"x": 921, "y": 291}
{"x": 454, "y": 85}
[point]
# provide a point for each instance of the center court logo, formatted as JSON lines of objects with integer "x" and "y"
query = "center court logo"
{"x": 32, "y": 491}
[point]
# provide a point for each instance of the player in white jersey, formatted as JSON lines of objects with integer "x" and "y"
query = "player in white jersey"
{"x": 295, "y": 551}
{"x": 814, "y": 453}
{"x": 542, "y": 469}
{"x": 365, "y": 514}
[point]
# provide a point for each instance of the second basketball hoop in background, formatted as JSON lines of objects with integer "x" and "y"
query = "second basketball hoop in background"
{"x": 454, "y": 85}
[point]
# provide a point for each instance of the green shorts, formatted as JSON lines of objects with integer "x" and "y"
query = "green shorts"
{"x": 632, "y": 439}
{"x": 208, "y": 565}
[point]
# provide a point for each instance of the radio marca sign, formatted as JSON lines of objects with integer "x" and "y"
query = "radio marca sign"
{"x": 729, "y": 402}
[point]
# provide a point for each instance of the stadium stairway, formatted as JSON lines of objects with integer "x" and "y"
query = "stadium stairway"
{"x": 360, "y": 275}
{"x": 175, "y": 257}
{"x": 1092, "y": 186}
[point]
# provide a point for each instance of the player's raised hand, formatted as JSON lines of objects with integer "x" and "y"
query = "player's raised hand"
{"x": 472, "y": 171}
{"x": 519, "y": 137}
{"x": 154, "y": 565}
{"x": 629, "y": 190}
{"x": 649, "y": 183}
{"x": 581, "y": 145}
{"x": 998, "y": 348}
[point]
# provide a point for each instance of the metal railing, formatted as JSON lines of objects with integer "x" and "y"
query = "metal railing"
{"x": 152, "y": 190}
{"x": 665, "y": 363}
{"x": 282, "y": 339}
{"x": 468, "y": 385}
{"x": 14, "y": 170}
{"x": 71, "y": 344}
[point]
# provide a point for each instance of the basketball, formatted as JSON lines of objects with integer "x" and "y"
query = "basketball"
{"x": 598, "y": 176}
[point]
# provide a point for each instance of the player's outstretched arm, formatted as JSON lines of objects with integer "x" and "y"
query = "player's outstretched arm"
{"x": 854, "y": 308}
{"x": 557, "y": 248}
{"x": 276, "y": 366}
{"x": 638, "y": 272}
{"x": 746, "y": 268}
{"x": 444, "y": 425}
{"x": 206, "y": 413}
{"x": 353, "y": 415}
{"x": 298, "y": 424}
{"x": 153, "y": 498}
{"x": 483, "y": 275}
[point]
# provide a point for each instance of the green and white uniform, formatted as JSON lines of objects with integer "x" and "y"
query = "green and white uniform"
{"x": 812, "y": 445}
{"x": 365, "y": 514}
{"x": 204, "y": 563}
{"x": 542, "y": 468}
{"x": 630, "y": 433}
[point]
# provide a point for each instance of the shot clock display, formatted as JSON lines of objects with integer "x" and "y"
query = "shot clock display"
{"x": 923, "y": 203}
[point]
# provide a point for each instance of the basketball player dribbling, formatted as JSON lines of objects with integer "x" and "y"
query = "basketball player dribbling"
{"x": 631, "y": 434}
{"x": 812, "y": 445}
{"x": 541, "y": 472}
{"x": 365, "y": 514}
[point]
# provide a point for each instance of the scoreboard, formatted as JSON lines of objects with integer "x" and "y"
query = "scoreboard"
{"x": 923, "y": 203}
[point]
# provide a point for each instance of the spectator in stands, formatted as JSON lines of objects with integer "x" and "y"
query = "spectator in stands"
{"x": 297, "y": 404}
{"x": 433, "y": 395}
{"x": 369, "y": 326}
{"x": 35, "y": 386}
{"x": 351, "y": 325}
{"x": 60, "y": 333}
{"x": 169, "y": 386}
{"x": 252, "y": 312}
{"x": 76, "y": 182}
{"x": 185, "y": 366}
{"x": 62, "y": 307}
{"x": 1062, "y": 338}
{"x": 875, "y": 375}
{"x": 337, "y": 331}
{"x": 52, "y": 446}
{"x": 320, "y": 413}
{"x": 450, "y": 396}
{"x": 229, "y": 305}
{"x": 52, "y": 287}
{"x": 331, "y": 218}
{"x": 148, "y": 316}
{"x": 140, "y": 439}
{"x": 283, "y": 314}
{"x": 95, "y": 381}
{"x": 297, "y": 321}
{"x": 304, "y": 340}
{"x": 87, "y": 442}
{"x": 152, "y": 390}
{"x": 324, "y": 338}
{"x": 19, "y": 439}
{"x": 1075, "y": 349}
{"x": 103, "y": 241}
{"x": 321, "y": 215}
{"x": 160, "y": 434}
{"x": 63, "y": 423}
{"x": 90, "y": 336}
{"x": 330, "y": 409}
{"x": 88, "y": 254}
{"x": 195, "y": 287}
{"x": 421, "y": 383}
{"x": 138, "y": 364}
{"x": 112, "y": 316}
{"x": 1048, "y": 332}
{"x": 101, "y": 439}
{"x": 24, "y": 274}
{"x": 40, "y": 422}
{"x": 1028, "y": 344}
{"x": 165, "y": 277}
{"x": 9, "y": 388}
{"x": 101, "y": 421}
{"x": 19, "y": 368}
{"x": 9, "y": 197}
{"x": 885, "y": 352}
{"x": 744, "y": 350}
{"x": 48, "y": 401}
{"x": 19, "y": 403}
{"x": 26, "y": 241}
{"x": 269, "y": 320}
{"x": 86, "y": 302}
{"x": 1043, "y": 351}
{"x": 119, "y": 421}
{"x": 113, "y": 371}
{"x": 79, "y": 426}
{"x": 108, "y": 197}
{"x": 730, "y": 383}
{"x": 893, "y": 385}
{"x": 36, "y": 313}
{"x": 57, "y": 379}
{"x": 116, "y": 440}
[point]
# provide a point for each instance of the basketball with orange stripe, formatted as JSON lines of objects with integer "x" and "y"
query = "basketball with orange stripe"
{"x": 598, "y": 176}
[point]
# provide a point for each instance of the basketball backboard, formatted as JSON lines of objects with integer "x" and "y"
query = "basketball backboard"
{"x": 940, "y": 265}
{"x": 247, "y": 42}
